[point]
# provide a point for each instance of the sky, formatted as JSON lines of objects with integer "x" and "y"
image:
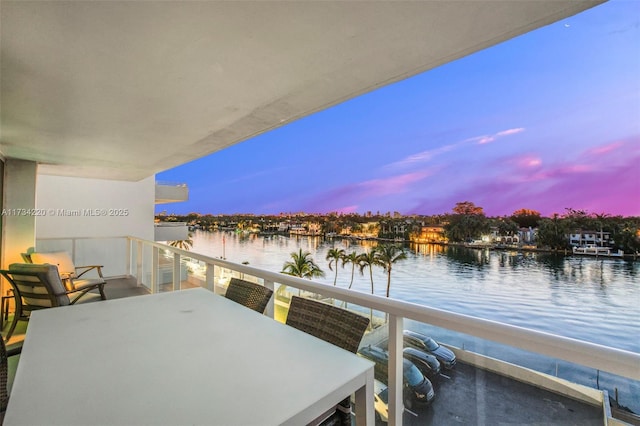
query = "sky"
{"x": 547, "y": 121}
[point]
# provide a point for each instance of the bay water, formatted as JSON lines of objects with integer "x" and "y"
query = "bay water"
{"x": 592, "y": 299}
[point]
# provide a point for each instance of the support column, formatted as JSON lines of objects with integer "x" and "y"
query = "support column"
{"x": 18, "y": 212}
{"x": 19, "y": 208}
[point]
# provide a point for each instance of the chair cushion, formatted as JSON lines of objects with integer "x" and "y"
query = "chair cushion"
{"x": 50, "y": 275}
{"x": 61, "y": 259}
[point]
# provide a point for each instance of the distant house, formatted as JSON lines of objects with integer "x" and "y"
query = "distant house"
{"x": 367, "y": 230}
{"x": 527, "y": 235}
{"x": 580, "y": 238}
{"x": 429, "y": 234}
{"x": 283, "y": 227}
{"x": 314, "y": 228}
{"x": 507, "y": 239}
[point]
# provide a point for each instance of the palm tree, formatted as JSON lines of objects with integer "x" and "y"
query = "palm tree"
{"x": 368, "y": 260}
{"x": 302, "y": 265}
{"x": 389, "y": 254}
{"x": 183, "y": 244}
{"x": 353, "y": 259}
{"x": 334, "y": 256}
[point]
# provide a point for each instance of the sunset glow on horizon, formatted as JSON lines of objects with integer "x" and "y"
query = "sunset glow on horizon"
{"x": 547, "y": 121}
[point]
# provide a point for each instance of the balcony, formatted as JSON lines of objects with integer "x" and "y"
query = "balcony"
{"x": 480, "y": 389}
{"x": 168, "y": 192}
{"x": 171, "y": 231}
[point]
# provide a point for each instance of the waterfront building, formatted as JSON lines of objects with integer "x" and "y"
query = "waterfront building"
{"x": 527, "y": 235}
{"x": 580, "y": 238}
{"x": 98, "y": 97}
{"x": 430, "y": 234}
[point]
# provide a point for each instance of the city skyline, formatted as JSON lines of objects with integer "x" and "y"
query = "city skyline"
{"x": 546, "y": 121}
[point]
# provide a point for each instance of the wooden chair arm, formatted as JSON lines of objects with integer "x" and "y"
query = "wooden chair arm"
{"x": 88, "y": 268}
{"x": 82, "y": 290}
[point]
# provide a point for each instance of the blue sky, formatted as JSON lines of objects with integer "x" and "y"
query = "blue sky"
{"x": 546, "y": 121}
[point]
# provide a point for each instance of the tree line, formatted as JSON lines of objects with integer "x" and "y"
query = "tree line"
{"x": 469, "y": 222}
{"x": 465, "y": 223}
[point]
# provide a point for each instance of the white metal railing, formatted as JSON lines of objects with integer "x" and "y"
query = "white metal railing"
{"x": 599, "y": 357}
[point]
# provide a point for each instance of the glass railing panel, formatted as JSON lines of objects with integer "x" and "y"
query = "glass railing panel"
{"x": 147, "y": 255}
{"x": 192, "y": 273}
{"x": 622, "y": 390}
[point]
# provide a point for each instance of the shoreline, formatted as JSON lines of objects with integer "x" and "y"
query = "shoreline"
{"x": 483, "y": 246}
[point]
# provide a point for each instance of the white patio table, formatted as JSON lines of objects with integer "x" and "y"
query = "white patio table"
{"x": 188, "y": 357}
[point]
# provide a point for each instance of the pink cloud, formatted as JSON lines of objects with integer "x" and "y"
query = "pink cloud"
{"x": 527, "y": 161}
{"x": 428, "y": 155}
{"x": 577, "y": 168}
{"x": 347, "y": 209}
{"x": 422, "y": 157}
{"x": 374, "y": 189}
{"x": 528, "y": 168}
{"x": 393, "y": 184}
{"x": 510, "y": 131}
{"x": 484, "y": 139}
{"x": 605, "y": 149}
{"x": 611, "y": 184}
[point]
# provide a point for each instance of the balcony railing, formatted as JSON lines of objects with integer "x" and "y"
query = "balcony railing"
{"x": 171, "y": 231}
{"x": 150, "y": 262}
{"x": 163, "y": 268}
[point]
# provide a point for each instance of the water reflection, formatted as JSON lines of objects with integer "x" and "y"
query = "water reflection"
{"x": 427, "y": 249}
{"x": 591, "y": 299}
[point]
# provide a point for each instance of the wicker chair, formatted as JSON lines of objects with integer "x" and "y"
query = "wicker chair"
{"x": 336, "y": 326}
{"x": 251, "y": 295}
{"x": 39, "y": 287}
{"x": 4, "y": 368}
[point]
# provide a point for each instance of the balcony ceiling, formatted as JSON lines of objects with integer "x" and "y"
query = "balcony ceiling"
{"x": 123, "y": 90}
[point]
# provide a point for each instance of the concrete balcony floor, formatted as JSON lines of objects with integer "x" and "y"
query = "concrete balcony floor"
{"x": 471, "y": 396}
{"x": 464, "y": 396}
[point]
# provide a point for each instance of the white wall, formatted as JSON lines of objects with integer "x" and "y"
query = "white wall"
{"x": 89, "y": 217}
{"x": 104, "y": 208}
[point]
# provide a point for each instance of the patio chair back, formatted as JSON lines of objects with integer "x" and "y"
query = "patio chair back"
{"x": 39, "y": 286}
{"x": 332, "y": 324}
{"x": 336, "y": 326}
{"x": 251, "y": 295}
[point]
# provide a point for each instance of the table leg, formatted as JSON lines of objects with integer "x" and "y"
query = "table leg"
{"x": 364, "y": 403}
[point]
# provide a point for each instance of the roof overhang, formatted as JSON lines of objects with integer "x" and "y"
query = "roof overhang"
{"x": 123, "y": 90}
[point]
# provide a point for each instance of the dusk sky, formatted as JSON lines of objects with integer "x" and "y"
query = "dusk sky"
{"x": 547, "y": 121}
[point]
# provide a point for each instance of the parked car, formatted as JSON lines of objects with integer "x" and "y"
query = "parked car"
{"x": 427, "y": 344}
{"x": 426, "y": 363}
{"x": 417, "y": 388}
{"x": 380, "y": 401}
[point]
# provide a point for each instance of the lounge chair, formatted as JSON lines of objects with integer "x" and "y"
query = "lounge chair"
{"x": 73, "y": 276}
{"x": 39, "y": 287}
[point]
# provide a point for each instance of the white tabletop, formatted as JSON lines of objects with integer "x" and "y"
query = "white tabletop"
{"x": 186, "y": 357}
